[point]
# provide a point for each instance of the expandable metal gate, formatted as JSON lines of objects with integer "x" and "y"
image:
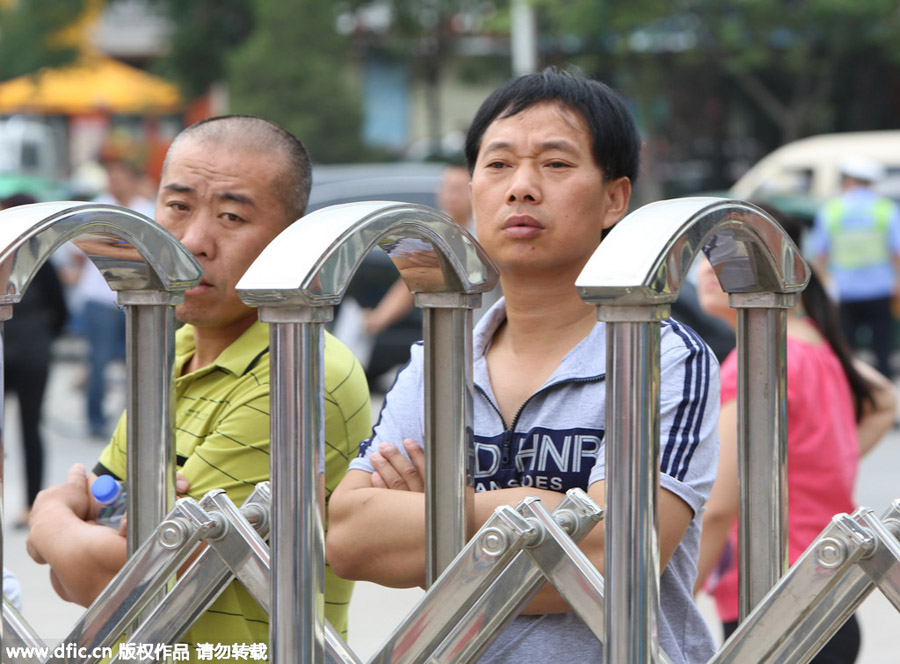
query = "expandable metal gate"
{"x": 476, "y": 588}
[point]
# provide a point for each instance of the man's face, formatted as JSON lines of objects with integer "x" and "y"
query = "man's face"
{"x": 539, "y": 199}
{"x": 220, "y": 203}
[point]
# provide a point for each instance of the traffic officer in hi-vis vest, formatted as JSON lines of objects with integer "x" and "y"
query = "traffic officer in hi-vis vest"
{"x": 855, "y": 243}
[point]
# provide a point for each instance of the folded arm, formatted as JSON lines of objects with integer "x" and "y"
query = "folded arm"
{"x": 377, "y": 523}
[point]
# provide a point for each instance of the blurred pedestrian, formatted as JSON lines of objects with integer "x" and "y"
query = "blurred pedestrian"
{"x": 97, "y": 314}
{"x": 28, "y": 336}
{"x": 856, "y": 242}
{"x": 454, "y": 200}
{"x": 838, "y": 408}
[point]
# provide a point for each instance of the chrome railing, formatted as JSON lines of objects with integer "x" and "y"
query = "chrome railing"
{"x": 474, "y": 588}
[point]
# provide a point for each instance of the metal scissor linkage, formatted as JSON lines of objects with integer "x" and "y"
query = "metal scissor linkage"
{"x": 146, "y": 574}
{"x": 236, "y": 550}
{"x": 496, "y": 575}
{"x": 851, "y": 557}
{"x": 631, "y": 280}
{"x": 481, "y": 591}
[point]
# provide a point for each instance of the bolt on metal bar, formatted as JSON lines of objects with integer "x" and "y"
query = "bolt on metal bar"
{"x": 199, "y": 586}
{"x": 468, "y": 575}
{"x": 808, "y": 583}
{"x": 307, "y": 269}
{"x": 641, "y": 265}
{"x": 150, "y": 360}
{"x": 138, "y": 258}
{"x": 491, "y": 611}
{"x": 572, "y": 574}
{"x": 142, "y": 577}
{"x": 885, "y": 577}
{"x": 240, "y": 546}
{"x": 821, "y": 619}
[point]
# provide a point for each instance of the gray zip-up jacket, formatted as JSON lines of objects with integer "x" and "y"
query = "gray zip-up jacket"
{"x": 557, "y": 441}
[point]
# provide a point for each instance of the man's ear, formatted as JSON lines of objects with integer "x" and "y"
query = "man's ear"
{"x": 618, "y": 193}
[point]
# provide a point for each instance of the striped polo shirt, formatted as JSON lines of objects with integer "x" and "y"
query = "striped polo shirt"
{"x": 222, "y": 442}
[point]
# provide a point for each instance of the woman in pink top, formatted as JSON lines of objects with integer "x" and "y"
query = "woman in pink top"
{"x": 838, "y": 408}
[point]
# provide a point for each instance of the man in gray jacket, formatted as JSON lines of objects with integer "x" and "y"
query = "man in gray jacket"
{"x": 552, "y": 158}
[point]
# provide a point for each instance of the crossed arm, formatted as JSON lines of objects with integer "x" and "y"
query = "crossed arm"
{"x": 377, "y": 523}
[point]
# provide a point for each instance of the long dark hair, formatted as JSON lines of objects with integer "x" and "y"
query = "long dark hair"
{"x": 822, "y": 310}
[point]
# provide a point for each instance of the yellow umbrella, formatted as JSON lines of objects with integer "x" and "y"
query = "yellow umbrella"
{"x": 95, "y": 83}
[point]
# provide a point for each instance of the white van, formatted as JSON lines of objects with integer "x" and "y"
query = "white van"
{"x": 809, "y": 167}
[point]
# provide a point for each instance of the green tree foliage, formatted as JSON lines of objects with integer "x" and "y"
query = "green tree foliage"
{"x": 204, "y": 32}
{"x": 29, "y": 35}
{"x": 294, "y": 70}
{"x": 421, "y": 34}
{"x": 787, "y": 56}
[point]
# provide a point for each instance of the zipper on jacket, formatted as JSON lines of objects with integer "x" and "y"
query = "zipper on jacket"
{"x": 508, "y": 431}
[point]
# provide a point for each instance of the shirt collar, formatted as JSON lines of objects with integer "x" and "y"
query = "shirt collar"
{"x": 586, "y": 360}
{"x": 236, "y": 359}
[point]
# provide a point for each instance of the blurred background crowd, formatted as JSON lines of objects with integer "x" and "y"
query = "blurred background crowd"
{"x": 760, "y": 101}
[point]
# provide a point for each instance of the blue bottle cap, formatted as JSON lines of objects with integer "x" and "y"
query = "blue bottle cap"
{"x": 105, "y": 489}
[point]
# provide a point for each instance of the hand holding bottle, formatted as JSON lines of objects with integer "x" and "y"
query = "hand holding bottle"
{"x": 110, "y": 501}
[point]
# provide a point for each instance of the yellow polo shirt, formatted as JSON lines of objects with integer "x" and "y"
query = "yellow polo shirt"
{"x": 222, "y": 442}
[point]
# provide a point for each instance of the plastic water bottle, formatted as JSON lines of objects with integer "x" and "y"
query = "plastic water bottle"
{"x": 110, "y": 496}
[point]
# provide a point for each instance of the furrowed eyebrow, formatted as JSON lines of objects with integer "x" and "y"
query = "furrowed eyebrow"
{"x": 237, "y": 198}
{"x": 497, "y": 145}
{"x": 179, "y": 188}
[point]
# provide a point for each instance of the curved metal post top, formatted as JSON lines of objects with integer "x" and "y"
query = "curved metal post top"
{"x": 749, "y": 252}
{"x": 312, "y": 261}
{"x": 132, "y": 252}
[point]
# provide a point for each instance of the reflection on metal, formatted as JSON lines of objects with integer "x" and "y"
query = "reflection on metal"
{"x": 132, "y": 252}
{"x": 295, "y": 282}
{"x": 747, "y": 249}
{"x": 311, "y": 262}
{"x": 479, "y": 587}
{"x": 150, "y": 270}
{"x": 631, "y": 278}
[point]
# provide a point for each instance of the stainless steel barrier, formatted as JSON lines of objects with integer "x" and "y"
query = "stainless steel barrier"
{"x": 632, "y": 278}
{"x": 295, "y": 282}
{"x": 150, "y": 270}
{"x": 475, "y": 588}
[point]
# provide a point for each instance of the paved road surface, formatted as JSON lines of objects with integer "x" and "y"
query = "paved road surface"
{"x": 374, "y": 611}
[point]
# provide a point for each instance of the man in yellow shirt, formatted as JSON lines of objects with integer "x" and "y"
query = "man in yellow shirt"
{"x": 229, "y": 185}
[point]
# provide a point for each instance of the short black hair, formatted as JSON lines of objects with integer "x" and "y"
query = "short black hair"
{"x": 616, "y": 142}
{"x": 252, "y": 132}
